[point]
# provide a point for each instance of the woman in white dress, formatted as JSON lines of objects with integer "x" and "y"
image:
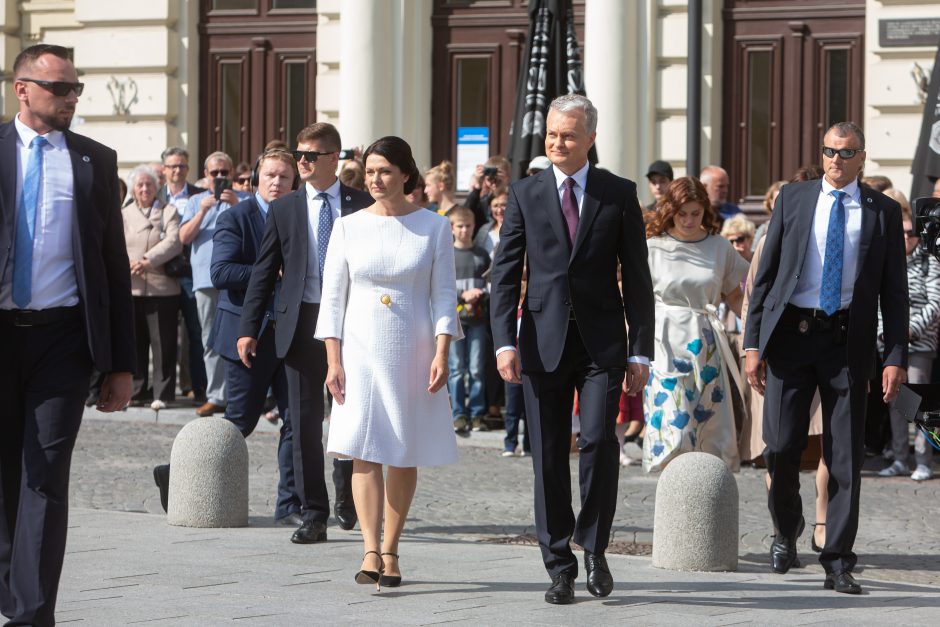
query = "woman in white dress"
{"x": 387, "y": 316}
{"x": 687, "y": 404}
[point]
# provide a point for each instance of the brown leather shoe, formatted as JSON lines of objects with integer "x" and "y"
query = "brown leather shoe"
{"x": 208, "y": 409}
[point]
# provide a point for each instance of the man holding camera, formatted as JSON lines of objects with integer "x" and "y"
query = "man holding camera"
{"x": 197, "y": 228}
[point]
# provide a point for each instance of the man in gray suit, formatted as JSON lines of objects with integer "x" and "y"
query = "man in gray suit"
{"x": 832, "y": 249}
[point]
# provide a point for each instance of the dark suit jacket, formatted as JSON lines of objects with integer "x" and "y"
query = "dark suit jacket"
{"x": 285, "y": 245}
{"x": 235, "y": 246}
{"x": 582, "y": 277}
{"x": 102, "y": 270}
{"x": 882, "y": 271}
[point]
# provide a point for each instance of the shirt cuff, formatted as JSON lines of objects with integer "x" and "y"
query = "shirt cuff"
{"x": 503, "y": 349}
{"x": 639, "y": 359}
{"x": 748, "y": 350}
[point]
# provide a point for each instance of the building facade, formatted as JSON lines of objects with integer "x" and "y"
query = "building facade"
{"x": 234, "y": 74}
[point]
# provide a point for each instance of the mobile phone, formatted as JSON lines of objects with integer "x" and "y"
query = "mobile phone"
{"x": 347, "y": 153}
{"x": 221, "y": 184}
{"x": 490, "y": 173}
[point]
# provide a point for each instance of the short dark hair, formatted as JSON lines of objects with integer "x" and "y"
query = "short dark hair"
{"x": 174, "y": 151}
{"x": 398, "y": 153}
{"x": 321, "y": 131}
{"x": 843, "y": 129}
{"x": 28, "y": 56}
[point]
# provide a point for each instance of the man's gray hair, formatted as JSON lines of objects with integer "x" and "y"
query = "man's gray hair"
{"x": 842, "y": 129}
{"x": 174, "y": 151}
{"x": 136, "y": 173}
{"x": 572, "y": 102}
{"x": 218, "y": 154}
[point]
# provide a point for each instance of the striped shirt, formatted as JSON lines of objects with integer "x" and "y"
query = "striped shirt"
{"x": 923, "y": 284}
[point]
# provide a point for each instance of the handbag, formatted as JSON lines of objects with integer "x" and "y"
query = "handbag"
{"x": 178, "y": 267}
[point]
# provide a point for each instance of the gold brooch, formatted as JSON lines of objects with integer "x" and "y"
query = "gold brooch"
{"x": 386, "y": 300}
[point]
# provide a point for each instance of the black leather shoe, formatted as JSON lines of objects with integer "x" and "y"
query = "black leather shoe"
{"x": 599, "y": 581}
{"x": 294, "y": 519}
{"x": 783, "y": 552}
{"x": 161, "y": 476}
{"x": 561, "y": 591}
{"x": 345, "y": 512}
{"x": 310, "y": 532}
{"x": 842, "y": 582}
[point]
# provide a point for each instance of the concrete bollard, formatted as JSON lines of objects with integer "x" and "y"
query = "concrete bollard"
{"x": 695, "y": 526}
{"x": 209, "y": 476}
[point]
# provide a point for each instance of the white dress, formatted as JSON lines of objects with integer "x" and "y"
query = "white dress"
{"x": 407, "y": 261}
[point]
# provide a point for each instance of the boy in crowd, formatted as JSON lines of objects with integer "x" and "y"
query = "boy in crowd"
{"x": 467, "y": 359}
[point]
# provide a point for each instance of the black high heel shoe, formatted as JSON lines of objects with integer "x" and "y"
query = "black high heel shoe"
{"x": 812, "y": 540}
{"x": 390, "y": 581}
{"x": 371, "y": 576}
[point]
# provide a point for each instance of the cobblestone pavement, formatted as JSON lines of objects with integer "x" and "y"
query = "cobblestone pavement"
{"x": 486, "y": 496}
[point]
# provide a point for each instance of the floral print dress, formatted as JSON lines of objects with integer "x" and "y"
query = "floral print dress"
{"x": 687, "y": 404}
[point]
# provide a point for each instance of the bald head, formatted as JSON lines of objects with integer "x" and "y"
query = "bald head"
{"x": 716, "y": 182}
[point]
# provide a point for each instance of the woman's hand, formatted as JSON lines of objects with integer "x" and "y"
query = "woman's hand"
{"x": 336, "y": 383}
{"x": 439, "y": 374}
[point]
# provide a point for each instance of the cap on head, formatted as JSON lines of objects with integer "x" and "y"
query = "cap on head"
{"x": 539, "y": 163}
{"x": 662, "y": 168}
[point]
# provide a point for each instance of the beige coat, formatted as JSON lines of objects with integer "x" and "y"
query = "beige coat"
{"x": 142, "y": 235}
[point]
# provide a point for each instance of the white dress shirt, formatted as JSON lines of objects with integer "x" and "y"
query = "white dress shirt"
{"x": 312, "y": 281}
{"x": 54, "y": 283}
{"x": 806, "y": 293}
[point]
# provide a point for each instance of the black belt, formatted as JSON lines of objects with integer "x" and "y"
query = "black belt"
{"x": 813, "y": 320}
{"x": 38, "y": 317}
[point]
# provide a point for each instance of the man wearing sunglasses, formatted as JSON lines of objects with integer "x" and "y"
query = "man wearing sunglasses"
{"x": 65, "y": 307}
{"x": 196, "y": 229}
{"x": 296, "y": 236}
{"x": 832, "y": 249}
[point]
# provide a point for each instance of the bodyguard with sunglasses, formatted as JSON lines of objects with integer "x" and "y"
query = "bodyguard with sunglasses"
{"x": 197, "y": 228}
{"x": 296, "y": 236}
{"x": 65, "y": 307}
{"x": 832, "y": 249}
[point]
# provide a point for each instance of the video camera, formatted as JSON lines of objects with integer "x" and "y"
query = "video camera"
{"x": 927, "y": 224}
{"x": 919, "y": 403}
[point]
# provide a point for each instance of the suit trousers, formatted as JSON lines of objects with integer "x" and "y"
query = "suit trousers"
{"x": 549, "y": 397}
{"x": 155, "y": 330}
{"x": 247, "y": 391}
{"x": 796, "y": 366}
{"x": 305, "y": 364}
{"x": 43, "y": 383}
{"x": 207, "y": 301}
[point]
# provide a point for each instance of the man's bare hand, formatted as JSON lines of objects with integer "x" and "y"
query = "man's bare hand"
{"x": 891, "y": 379}
{"x": 509, "y": 366}
{"x": 247, "y": 349}
{"x": 756, "y": 371}
{"x": 115, "y": 391}
{"x": 635, "y": 378}
{"x": 229, "y": 197}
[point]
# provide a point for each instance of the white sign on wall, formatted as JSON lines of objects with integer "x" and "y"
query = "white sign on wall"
{"x": 473, "y": 148}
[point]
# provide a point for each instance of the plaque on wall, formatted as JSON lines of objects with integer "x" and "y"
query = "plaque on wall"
{"x": 910, "y": 32}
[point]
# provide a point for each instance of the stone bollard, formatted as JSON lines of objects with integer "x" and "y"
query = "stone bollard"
{"x": 209, "y": 476}
{"x": 695, "y": 526}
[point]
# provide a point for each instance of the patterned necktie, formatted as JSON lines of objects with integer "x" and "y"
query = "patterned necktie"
{"x": 324, "y": 228}
{"x": 26, "y": 226}
{"x": 830, "y": 290}
{"x": 569, "y": 208}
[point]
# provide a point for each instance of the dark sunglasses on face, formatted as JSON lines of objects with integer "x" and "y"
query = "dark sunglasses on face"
{"x": 845, "y": 153}
{"x": 218, "y": 172}
{"x": 310, "y": 155}
{"x": 243, "y": 180}
{"x": 58, "y": 88}
{"x": 740, "y": 239}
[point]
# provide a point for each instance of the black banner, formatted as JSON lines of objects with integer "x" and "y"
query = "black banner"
{"x": 926, "y": 166}
{"x": 551, "y": 67}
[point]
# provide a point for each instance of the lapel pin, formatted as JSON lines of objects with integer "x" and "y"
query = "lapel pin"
{"x": 348, "y": 198}
{"x": 868, "y": 199}
{"x": 86, "y": 159}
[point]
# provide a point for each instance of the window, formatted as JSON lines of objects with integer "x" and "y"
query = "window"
{"x": 837, "y": 87}
{"x": 231, "y": 104}
{"x": 294, "y": 4}
{"x": 473, "y": 92}
{"x": 234, "y": 5}
{"x": 295, "y": 83}
{"x": 757, "y": 149}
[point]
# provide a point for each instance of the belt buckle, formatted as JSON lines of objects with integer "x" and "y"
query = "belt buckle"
{"x": 19, "y": 320}
{"x": 803, "y": 326}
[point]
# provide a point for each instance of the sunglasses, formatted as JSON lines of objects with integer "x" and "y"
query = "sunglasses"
{"x": 740, "y": 239}
{"x": 845, "y": 153}
{"x": 58, "y": 88}
{"x": 243, "y": 180}
{"x": 310, "y": 155}
{"x": 218, "y": 172}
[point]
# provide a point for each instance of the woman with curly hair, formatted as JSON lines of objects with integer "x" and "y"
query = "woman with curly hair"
{"x": 687, "y": 404}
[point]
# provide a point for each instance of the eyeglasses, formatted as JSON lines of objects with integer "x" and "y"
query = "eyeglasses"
{"x": 740, "y": 239}
{"x": 310, "y": 155}
{"x": 218, "y": 172}
{"x": 845, "y": 153}
{"x": 58, "y": 88}
{"x": 243, "y": 180}
{"x": 176, "y": 166}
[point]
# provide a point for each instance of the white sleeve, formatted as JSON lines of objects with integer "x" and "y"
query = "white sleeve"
{"x": 335, "y": 286}
{"x": 444, "y": 285}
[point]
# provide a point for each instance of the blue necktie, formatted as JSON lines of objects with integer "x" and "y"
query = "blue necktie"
{"x": 324, "y": 228}
{"x": 830, "y": 290}
{"x": 26, "y": 226}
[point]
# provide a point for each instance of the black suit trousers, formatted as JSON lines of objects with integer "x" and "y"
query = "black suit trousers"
{"x": 796, "y": 366}
{"x": 305, "y": 364}
{"x": 548, "y": 400}
{"x": 43, "y": 383}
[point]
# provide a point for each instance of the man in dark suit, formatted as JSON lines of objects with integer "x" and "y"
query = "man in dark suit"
{"x": 832, "y": 249}
{"x": 575, "y": 223}
{"x": 65, "y": 307}
{"x": 295, "y": 241}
